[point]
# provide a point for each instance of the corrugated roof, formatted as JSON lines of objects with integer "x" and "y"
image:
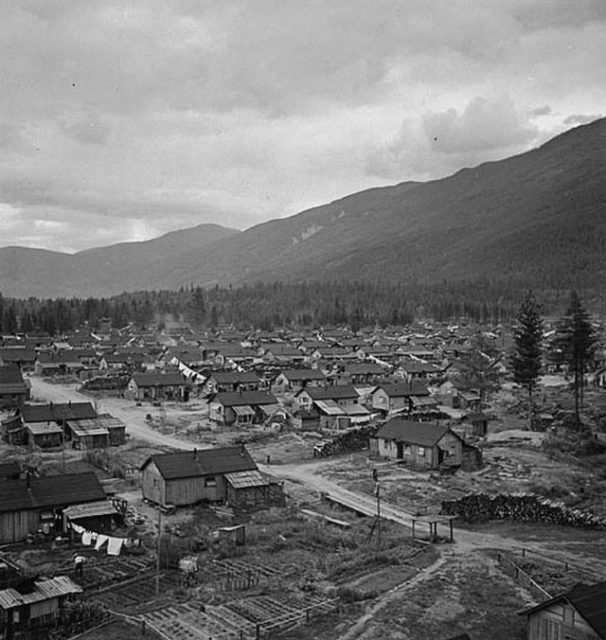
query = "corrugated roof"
{"x": 43, "y": 428}
{"x": 50, "y": 491}
{"x": 243, "y": 479}
{"x": 329, "y": 407}
{"x": 203, "y": 462}
{"x": 43, "y": 590}
{"x": 89, "y": 510}
{"x": 425, "y": 434}
{"x": 244, "y": 410}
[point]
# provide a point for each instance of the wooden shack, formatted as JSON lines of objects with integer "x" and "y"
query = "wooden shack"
{"x": 209, "y": 475}
{"x": 29, "y": 505}
{"x": 30, "y": 607}
{"x": 423, "y": 445}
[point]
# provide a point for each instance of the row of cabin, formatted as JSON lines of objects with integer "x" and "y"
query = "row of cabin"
{"x": 54, "y": 424}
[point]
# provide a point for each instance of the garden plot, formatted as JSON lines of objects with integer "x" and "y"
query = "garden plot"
{"x": 229, "y": 575}
{"x": 240, "y": 619}
{"x": 135, "y": 594}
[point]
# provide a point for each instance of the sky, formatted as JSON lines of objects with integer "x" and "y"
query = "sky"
{"x": 123, "y": 121}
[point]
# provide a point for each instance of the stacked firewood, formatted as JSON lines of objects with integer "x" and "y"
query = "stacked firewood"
{"x": 481, "y": 507}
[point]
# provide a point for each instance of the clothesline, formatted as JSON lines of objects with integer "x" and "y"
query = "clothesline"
{"x": 114, "y": 545}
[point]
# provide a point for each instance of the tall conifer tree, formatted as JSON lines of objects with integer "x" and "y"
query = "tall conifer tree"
{"x": 526, "y": 358}
{"x": 575, "y": 343}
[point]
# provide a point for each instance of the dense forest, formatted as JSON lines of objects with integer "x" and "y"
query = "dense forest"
{"x": 266, "y": 306}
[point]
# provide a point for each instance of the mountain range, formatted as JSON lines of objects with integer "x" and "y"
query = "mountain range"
{"x": 536, "y": 219}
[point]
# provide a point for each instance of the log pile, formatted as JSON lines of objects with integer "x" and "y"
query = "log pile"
{"x": 482, "y": 507}
{"x": 351, "y": 440}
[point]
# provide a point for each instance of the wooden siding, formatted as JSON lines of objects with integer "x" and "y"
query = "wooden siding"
{"x": 188, "y": 491}
{"x": 15, "y": 525}
{"x": 153, "y": 485}
{"x": 421, "y": 457}
{"x": 559, "y": 621}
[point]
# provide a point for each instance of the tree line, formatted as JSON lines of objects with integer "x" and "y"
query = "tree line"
{"x": 268, "y": 306}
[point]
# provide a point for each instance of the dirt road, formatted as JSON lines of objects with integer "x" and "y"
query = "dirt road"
{"x": 132, "y": 416}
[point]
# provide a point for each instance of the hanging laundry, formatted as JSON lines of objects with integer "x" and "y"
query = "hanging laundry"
{"x": 101, "y": 540}
{"x": 77, "y": 528}
{"x": 87, "y": 538}
{"x": 114, "y": 545}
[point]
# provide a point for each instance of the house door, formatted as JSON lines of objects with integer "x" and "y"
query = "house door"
{"x": 400, "y": 450}
{"x": 441, "y": 455}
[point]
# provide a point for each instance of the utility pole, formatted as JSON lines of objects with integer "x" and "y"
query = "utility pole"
{"x": 378, "y": 495}
{"x": 158, "y": 550}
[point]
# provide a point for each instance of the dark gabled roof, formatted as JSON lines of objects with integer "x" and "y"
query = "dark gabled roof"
{"x": 153, "y": 379}
{"x": 240, "y": 398}
{"x": 425, "y": 434}
{"x": 50, "y": 491}
{"x": 232, "y": 377}
{"x": 11, "y": 375}
{"x": 399, "y": 389}
{"x": 302, "y": 374}
{"x": 336, "y": 392}
{"x": 283, "y": 350}
{"x": 17, "y": 354}
{"x": 360, "y": 368}
{"x": 54, "y": 412}
{"x": 202, "y": 462}
{"x": 588, "y": 600}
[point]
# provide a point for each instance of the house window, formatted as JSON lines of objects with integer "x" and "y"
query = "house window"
{"x": 552, "y": 630}
{"x": 421, "y": 452}
{"x": 210, "y": 483}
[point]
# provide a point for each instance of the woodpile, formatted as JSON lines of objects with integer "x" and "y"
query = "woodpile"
{"x": 351, "y": 440}
{"x": 482, "y": 507}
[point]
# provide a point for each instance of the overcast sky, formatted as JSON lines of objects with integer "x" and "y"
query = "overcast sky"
{"x": 125, "y": 120}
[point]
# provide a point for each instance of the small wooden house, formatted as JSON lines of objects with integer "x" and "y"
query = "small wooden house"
{"x": 158, "y": 386}
{"x": 36, "y": 504}
{"x": 31, "y": 608}
{"x": 226, "y": 474}
{"x": 344, "y": 396}
{"x": 423, "y": 445}
{"x": 293, "y": 380}
{"x": 241, "y": 407}
{"x": 579, "y": 613}
{"x": 14, "y": 391}
{"x": 231, "y": 381}
{"x": 397, "y": 397}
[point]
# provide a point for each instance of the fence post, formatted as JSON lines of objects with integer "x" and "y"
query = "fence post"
{"x": 257, "y": 631}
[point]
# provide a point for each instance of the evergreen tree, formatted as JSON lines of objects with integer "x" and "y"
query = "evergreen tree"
{"x": 527, "y": 350}
{"x": 574, "y": 344}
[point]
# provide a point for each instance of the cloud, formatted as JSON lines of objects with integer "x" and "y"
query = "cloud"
{"x": 578, "y": 118}
{"x": 484, "y": 125}
{"x": 540, "y": 111}
{"x": 85, "y": 128}
{"x": 169, "y": 113}
{"x": 485, "y": 129}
